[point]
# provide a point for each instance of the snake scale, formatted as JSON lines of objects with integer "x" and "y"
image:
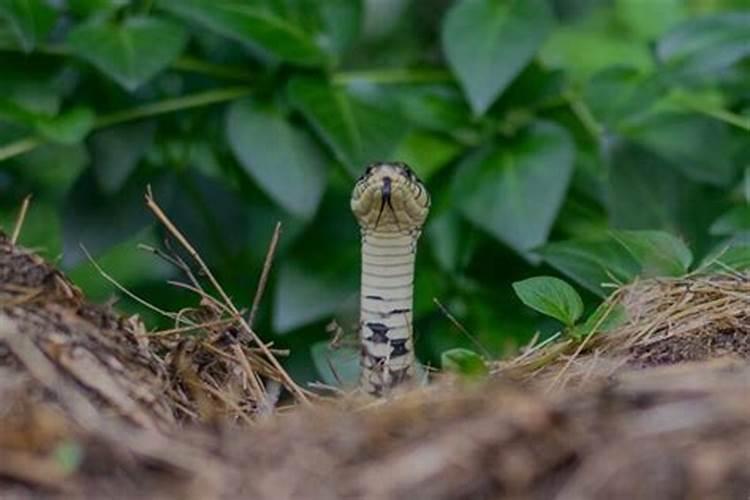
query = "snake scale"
{"x": 391, "y": 205}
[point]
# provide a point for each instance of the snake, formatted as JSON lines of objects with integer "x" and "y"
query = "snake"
{"x": 390, "y": 204}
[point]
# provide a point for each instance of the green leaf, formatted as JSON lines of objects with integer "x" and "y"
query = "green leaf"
{"x": 427, "y": 153}
{"x": 659, "y": 253}
{"x": 584, "y": 49}
{"x": 116, "y": 152}
{"x": 69, "y": 127}
{"x": 304, "y": 295}
{"x": 31, "y": 20}
{"x": 618, "y": 94}
{"x": 283, "y": 160}
{"x": 591, "y": 262}
{"x": 464, "y": 362}
{"x": 648, "y": 19}
{"x": 97, "y": 8}
{"x": 69, "y": 456}
{"x": 434, "y": 107}
{"x": 253, "y": 25}
{"x": 645, "y": 191}
{"x": 514, "y": 191}
{"x": 131, "y": 52}
{"x": 605, "y": 318}
{"x": 357, "y": 133}
{"x": 101, "y": 220}
{"x": 488, "y": 43}
{"x": 41, "y": 227}
{"x": 337, "y": 367}
{"x": 551, "y": 296}
{"x": 681, "y": 139}
{"x": 732, "y": 255}
{"x": 706, "y": 45}
{"x": 130, "y": 266}
{"x": 341, "y": 21}
{"x": 735, "y": 221}
{"x": 450, "y": 240}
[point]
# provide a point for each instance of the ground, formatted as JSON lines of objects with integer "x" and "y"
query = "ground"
{"x": 95, "y": 407}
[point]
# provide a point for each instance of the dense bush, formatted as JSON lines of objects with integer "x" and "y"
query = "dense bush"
{"x": 546, "y": 131}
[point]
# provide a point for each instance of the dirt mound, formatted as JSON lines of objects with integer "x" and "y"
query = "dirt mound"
{"x": 92, "y": 410}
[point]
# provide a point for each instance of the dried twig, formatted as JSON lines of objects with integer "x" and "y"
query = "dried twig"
{"x": 461, "y": 328}
{"x": 20, "y": 219}
{"x": 159, "y": 213}
{"x": 124, "y": 290}
{"x": 260, "y": 289}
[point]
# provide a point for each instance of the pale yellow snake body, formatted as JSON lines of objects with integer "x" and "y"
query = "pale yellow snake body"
{"x": 391, "y": 205}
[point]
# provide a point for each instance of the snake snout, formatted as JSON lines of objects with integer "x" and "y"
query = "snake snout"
{"x": 389, "y": 197}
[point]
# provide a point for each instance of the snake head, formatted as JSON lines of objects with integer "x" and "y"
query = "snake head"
{"x": 389, "y": 197}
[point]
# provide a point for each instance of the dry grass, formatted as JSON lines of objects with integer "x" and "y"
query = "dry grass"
{"x": 96, "y": 406}
{"x": 669, "y": 321}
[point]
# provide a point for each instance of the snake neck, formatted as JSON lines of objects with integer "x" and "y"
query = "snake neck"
{"x": 387, "y": 352}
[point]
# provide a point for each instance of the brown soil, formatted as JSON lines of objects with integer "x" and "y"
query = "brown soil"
{"x": 93, "y": 408}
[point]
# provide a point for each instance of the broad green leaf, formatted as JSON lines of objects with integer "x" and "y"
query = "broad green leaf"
{"x": 735, "y": 221}
{"x": 41, "y": 227}
{"x": 464, "y": 362}
{"x": 648, "y": 18}
{"x": 316, "y": 285}
{"x": 30, "y": 88}
{"x": 645, "y": 191}
{"x": 251, "y": 24}
{"x": 434, "y": 107}
{"x": 552, "y": 297}
{"x": 514, "y": 191}
{"x": 337, "y": 367}
{"x": 341, "y": 22}
{"x": 449, "y": 242}
{"x": 69, "y": 127}
{"x": 733, "y": 255}
{"x": 129, "y": 265}
{"x": 231, "y": 226}
{"x": 101, "y": 220}
{"x": 69, "y": 456}
{"x": 96, "y": 8}
{"x": 427, "y": 153}
{"x": 358, "y": 133}
{"x": 488, "y": 42}
{"x": 605, "y": 318}
{"x": 53, "y": 168}
{"x": 131, "y": 52}
{"x": 584, "y": 49}
{"x": 116, "y": 152}
{"x": 591, "y": 262}
{"x": 283, "y": 160}
{"x": 659, "y": 253}
{"x": 681, "y": 139}
{"x": 31, "y": 20}
{"x": 304, "y": 295}
{"x": 619, "y": 94}
{"x": 706, "y": 45}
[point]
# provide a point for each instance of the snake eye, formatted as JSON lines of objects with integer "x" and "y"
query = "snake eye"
{"x": 406, "y": 171}
{"x": 367, "y": 172}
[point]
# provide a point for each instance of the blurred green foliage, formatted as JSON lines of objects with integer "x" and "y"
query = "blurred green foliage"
{"x": 551, "y": 134}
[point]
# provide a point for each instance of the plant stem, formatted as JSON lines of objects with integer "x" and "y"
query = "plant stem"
{"x": 193, "y": 65}
{"x": 385, "y": 76}
{"x": 137, "y": 113}
{"x": 19, "y": 147}
{"x": 172, "y": 105}
{"x": 393, "y": 76}
{"x": 720, "y": 114}
{"x": 585, "y": 116}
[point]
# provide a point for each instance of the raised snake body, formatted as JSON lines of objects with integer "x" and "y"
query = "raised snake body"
{"x": 391, "y": 205}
